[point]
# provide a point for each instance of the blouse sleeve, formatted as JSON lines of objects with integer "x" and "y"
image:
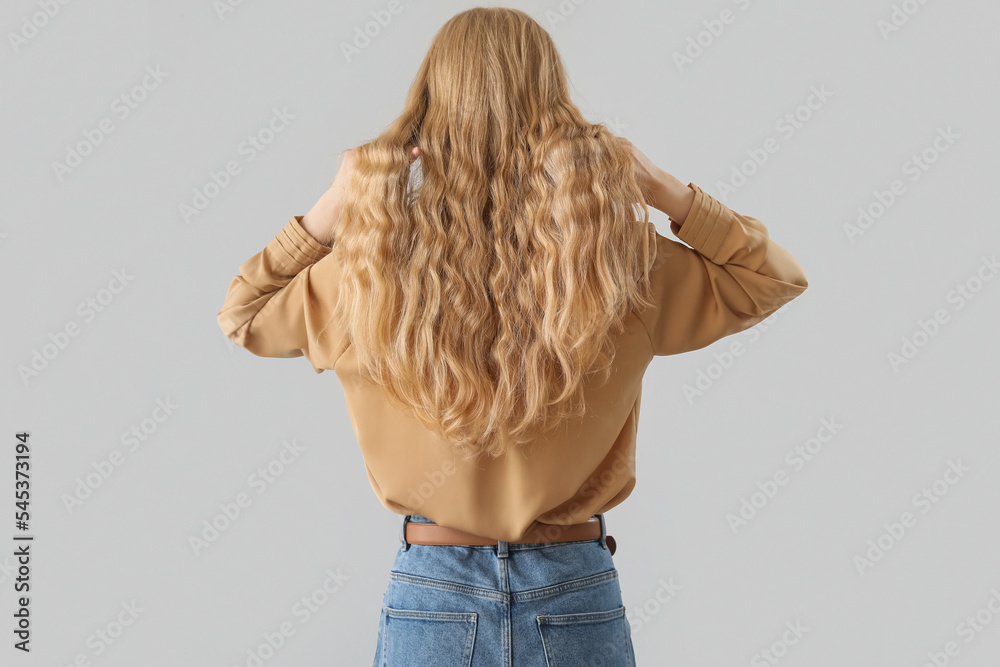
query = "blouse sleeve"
{"x": 281, "y": 303}
{"x": 731, "y": 278}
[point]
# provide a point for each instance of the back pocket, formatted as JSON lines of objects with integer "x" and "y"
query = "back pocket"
{"x": 594, "y": 639}
{"x": 416, "y": 638}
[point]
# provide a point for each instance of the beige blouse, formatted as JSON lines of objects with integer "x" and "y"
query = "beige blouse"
{"x": 731, "y": 277}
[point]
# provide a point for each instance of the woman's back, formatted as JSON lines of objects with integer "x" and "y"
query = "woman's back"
{"x": 732, "y": 277}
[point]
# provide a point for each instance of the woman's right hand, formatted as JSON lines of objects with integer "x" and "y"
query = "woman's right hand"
{"x": 649, "y": 175}
{"x": 661, "y": 190}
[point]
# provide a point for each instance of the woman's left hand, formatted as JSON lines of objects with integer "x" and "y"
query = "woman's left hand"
{"x": 323, "y": 217}
{"x": 346, "y": 169}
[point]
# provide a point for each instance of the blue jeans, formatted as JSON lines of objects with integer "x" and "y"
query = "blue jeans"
{"x": 509, "y": 605}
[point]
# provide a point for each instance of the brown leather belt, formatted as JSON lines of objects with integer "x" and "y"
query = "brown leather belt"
{"x": 418, "y": 532}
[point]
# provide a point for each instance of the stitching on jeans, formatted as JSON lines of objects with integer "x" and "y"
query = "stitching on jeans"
{"x": 446, "y": 585}
{"x": 566, "y": 586}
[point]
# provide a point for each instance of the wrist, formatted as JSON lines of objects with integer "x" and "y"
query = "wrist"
{"x": 673, "y": 197}
{"x": 324, "y": 216}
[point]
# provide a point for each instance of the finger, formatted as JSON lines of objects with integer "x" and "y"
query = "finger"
{"x": 415, "y": 153}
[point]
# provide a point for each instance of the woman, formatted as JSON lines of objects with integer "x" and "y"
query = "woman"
{"x": 490, "y": 312}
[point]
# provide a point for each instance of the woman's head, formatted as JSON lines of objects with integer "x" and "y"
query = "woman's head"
{"x": 491, "y": 75}
{"x": 480, "y": 290}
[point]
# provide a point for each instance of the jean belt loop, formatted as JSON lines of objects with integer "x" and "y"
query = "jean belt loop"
{"x": 503, "y": 550}
{"x": 604, "y": 532}
{"x": 402, "y": 533}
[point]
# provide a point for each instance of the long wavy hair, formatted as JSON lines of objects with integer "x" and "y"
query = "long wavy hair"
{"x": 483, "y": 282}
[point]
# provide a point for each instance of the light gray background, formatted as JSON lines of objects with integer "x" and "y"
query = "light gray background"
{"x": 825, "y": 356}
